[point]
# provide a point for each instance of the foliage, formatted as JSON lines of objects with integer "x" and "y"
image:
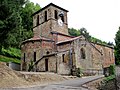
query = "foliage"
{"x": 84, "y": 32}
{"x": 117, "y": 47}
{"x": 8, "y": 59}
{"x": 109, "y": 78}
{"x": 79, "y": 72}
{"x": 9, "y": 18}
{"x": 11, "y": 52}
{"x": 31, "y": 65}
{"x": 112, "y": 69}
{"x": 73, "y": 32}
{"x": 15, "y": 21}
{"x": 27, "y": 11}
{"x": 108, "y": 83}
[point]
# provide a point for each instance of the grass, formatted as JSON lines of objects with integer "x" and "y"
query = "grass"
{"x": 11, "y": 52}
{"x": 10, "y": 55}
{"x": 8, "y": 59}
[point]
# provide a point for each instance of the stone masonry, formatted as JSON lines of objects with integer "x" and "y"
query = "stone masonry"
{"x": 53, "y": 49}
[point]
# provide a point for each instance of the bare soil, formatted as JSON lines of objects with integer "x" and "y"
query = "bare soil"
{"x": 10, "y": 78}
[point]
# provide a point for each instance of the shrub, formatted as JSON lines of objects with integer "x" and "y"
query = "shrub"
{"x": 79, "y": 72}
{"x": 112, "y": 70}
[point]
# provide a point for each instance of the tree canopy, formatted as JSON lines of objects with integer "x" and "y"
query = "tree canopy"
{"x": 83, "y": 31}
{"x": 117, "y": 47}
{"x": 16, "y": 21}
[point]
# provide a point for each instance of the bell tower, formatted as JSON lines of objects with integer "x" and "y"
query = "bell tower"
{"x": 50, "y": 18}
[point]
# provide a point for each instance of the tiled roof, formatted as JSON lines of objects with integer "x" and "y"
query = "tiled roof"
{"x": 69, "y": 40}
{"x": 55, "y": 32}
{"x": 51, "y": 4}
{"x": 37, "y": 39}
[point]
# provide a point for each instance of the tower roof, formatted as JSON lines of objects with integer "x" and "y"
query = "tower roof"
{"x": 51, "y": 4}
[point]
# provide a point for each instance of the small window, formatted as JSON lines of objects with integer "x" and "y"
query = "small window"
{"x": 37, "y": 20}
{"x": 83, "y": 56}
{"x": 101, "y": 52}
{"x": 55, "y": 14}
{"x": 45, "y": 15}
{"x": 110, "y": 56}
{"x": 62, "y": 18}
{"x": 34, "y": 56}
{"x": 24, "y": 57}
{"x": 47, "y": 52}
{"x": 63, "y": 57}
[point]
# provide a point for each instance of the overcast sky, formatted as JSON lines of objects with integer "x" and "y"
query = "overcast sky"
{"x": 101, "y": 18}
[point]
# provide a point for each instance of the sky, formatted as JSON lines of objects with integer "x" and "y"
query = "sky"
{"x": 101, "y": 18}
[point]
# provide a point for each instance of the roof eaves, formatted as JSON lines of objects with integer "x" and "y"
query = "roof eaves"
{"x": 51, "y": 4}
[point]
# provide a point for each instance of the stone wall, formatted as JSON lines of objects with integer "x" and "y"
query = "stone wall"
{"x": 41, "y": 66}
{"x": 92, "y": 63}
{"x": 40, "y": 47}
{"x": 63, "y": 66}
{"x": 45, "y": 27}
{"x": 65, "y": 51}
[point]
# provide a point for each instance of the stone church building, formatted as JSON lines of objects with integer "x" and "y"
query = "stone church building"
{"x": 53, "y": 49}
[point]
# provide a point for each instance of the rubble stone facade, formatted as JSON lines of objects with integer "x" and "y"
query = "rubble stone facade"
{"x": 53, "y": 49}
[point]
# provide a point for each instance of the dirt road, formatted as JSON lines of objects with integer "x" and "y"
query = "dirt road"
{"x": 74, "y": 84}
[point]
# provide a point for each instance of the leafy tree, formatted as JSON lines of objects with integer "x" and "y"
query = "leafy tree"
{"x": 84, "y": 32}
{"x": 9, "y": 18}
{"x": 27, "y": 11}
{"x": 24, "y": 30}
{"x": 16, "y": 21}
{"x": 110, "y": 43}
{"x": 117, "y": 47}
{"x": 73, "y": 32}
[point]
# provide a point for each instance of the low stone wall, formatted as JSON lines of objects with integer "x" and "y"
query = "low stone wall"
{"x": 90, "y": 72}
{"x": 93, "y": 85}
{"x": 14, "y": 66}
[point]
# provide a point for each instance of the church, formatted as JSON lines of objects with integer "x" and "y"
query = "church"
{"x": 52, "y": 49}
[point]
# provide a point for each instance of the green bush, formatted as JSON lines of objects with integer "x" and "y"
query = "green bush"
{"x": 79, "y": 72}
{"x": 112, "y": 70}
{"x": 109, "y": 78}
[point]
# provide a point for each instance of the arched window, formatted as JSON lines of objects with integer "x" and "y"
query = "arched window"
{"x": 83, "y": 56}
{"x": 37, "y": 20}
{"x": 45, "y": 15}
{"x": 55, "y": 14}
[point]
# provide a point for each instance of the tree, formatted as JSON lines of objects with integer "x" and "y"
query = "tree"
{"x": 117, "y": 47}
{"x": 9, "y": 18}
{"x": 84, "y": 32}
{"x": 16, "y": 21}
{"x": 27, "y": 11}
{"x": 24, "y": 30}
{"x": 73, "y": 32}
